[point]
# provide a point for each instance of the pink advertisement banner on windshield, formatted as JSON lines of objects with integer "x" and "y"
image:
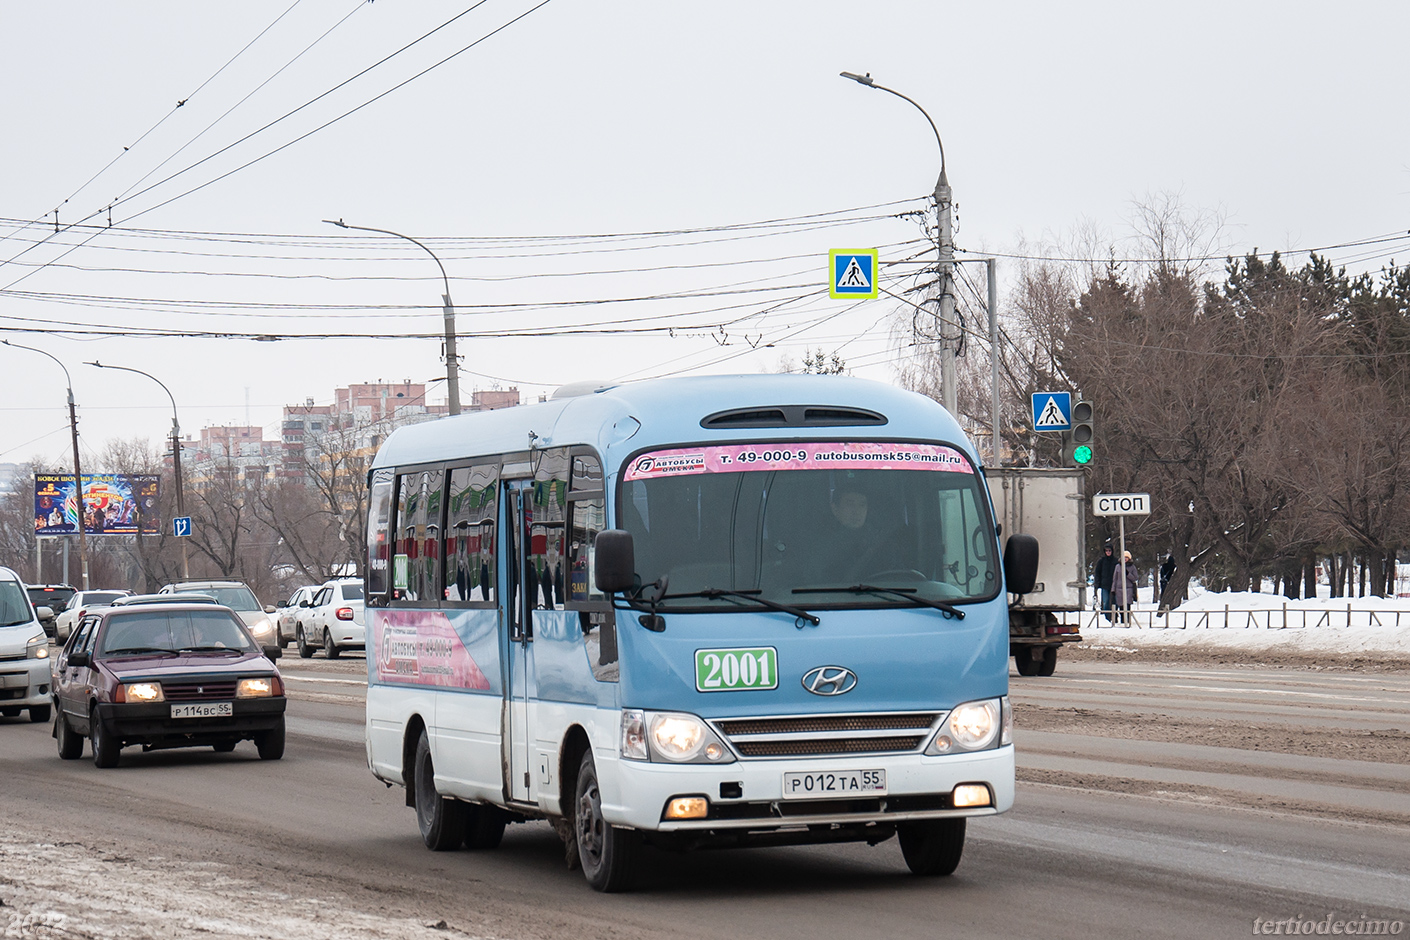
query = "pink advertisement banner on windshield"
{"x": 730, "y": 458}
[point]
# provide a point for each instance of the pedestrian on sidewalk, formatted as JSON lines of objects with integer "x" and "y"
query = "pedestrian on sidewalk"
{"x": 1123, "y": 588}
{"x": 1101, "y": 580}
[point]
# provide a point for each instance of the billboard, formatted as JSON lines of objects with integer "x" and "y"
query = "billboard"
{"x": 114, "y": 504}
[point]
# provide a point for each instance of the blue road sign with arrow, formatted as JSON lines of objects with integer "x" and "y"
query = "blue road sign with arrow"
{"x": 181, "y": 526}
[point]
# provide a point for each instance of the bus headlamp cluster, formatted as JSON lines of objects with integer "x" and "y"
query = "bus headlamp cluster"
{"x": 671, "y": 737}
{"x": 974, "y": 726}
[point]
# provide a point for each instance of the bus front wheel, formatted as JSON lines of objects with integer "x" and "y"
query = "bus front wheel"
{"x": 932, "y": 847}
{"x": 607, "y": 854}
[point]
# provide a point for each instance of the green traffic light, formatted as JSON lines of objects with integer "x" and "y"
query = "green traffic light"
{"x": 1082, "y": 455}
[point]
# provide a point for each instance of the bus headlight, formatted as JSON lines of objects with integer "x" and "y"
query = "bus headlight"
{"x": 972, "y": 726}
{"x": 671, "y": 737}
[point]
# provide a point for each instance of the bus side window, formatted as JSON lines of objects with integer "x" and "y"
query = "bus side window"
{"x": 546, "y": 536}
{"x": 587, "y": 516}
{"x": 472, "y": 511}
{"x": 379, "y": 556}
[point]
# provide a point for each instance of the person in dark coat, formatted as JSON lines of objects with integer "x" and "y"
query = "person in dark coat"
{"x": 1101, "y": 579}
{"x": 1167, "y": 571}
{"x": 1123, "y": 588}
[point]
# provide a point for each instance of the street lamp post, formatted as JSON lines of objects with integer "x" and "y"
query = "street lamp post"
{"x": 452, "y": 360}
{"x": 77, "y": 470}
{"x": 175, "y": 456}
{"x": 945, "y": 243}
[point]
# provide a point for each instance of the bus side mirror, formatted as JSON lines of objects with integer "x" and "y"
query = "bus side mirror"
{"x": 615, "y": 566}
{"x": 1021, "y": 563}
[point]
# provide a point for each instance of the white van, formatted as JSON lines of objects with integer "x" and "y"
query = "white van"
{"x": 24, "y": 654}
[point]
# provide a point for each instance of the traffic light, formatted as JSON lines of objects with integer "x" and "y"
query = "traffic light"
{"x": 1082, "y": 436}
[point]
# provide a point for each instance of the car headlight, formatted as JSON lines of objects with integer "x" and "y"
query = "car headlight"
{"x": 37, "y": 647}
{"x": 257, "y": 687}
{"x": 671, "y": 737}
{"x": 144, "y": 692}
{"x": 972, "y": 726}
{"x": 262, "y": 627}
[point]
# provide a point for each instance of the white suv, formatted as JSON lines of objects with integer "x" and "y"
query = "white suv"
{"x": 25, "y": 680}
{"x": 333, "y": 619}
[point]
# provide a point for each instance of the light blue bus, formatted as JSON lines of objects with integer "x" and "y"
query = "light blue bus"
{"x": 693, "y": 612}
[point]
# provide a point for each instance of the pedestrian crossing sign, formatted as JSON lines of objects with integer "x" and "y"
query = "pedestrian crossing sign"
{"x": 853, "y": 274}
{"x": 1052, "y": 411}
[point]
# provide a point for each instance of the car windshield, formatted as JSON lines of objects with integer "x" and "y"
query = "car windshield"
{"x": 101, "y": 598}
{"x": 810, "y": 526}
{"x": 237, "y": 597}
{"x": 14, "y": 605}
{"x": 146, "y": 631}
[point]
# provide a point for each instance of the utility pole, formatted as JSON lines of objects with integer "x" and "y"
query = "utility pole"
{"x": 945, "y": 263}
{"x": 452, "y": 360}
{"x": 175, "y": 453}
{"x": 77, "y": 470}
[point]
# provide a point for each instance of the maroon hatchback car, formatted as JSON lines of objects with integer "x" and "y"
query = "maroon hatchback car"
{"x": 166, "y": 675}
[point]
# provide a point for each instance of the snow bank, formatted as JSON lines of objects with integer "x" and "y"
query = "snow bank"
{"x": 1265, "y": 622}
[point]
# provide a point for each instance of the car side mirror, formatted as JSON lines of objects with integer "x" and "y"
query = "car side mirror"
{"x": 615, "y": 568}
{"x": 270, "y": 608}
{"x": 44, "y": 613}
{"x": 272, "y": 652}
{"x": 1021, "y": 563}
{"x": 80, "y": 658}
{"x": 305, "y": 603}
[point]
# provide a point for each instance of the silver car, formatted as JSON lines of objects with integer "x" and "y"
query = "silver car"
{"x": 238, "y": 597}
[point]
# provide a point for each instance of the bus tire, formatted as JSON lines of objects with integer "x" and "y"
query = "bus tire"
{"x": 607, "y": 854}
{"x": 440, "y": 819}
{"x": 484, "y": 826}
{"x": 932, "y": 847}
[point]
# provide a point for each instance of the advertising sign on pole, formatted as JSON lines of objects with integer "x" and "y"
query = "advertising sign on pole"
{"x": 113, "y": 504}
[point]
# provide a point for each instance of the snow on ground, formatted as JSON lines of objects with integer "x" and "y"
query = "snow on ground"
{"x": 1264, "y": 622}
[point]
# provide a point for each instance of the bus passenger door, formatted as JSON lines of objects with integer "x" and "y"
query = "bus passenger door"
{"x": 517, "y": 612}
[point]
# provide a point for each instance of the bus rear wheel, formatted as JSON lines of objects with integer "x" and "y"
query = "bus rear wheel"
{"x": 932, "y": 847}
{"x": 607, "y": 854}
{"x": 441, "y": 819}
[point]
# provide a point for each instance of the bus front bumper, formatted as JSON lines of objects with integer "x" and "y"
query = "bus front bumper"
{"x": 748, "y": 795}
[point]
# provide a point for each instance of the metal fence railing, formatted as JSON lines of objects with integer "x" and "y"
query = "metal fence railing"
{"x": 1235, "y": 618}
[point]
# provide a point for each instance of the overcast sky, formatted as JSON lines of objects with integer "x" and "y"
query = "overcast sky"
{"x": 674, "y": 127}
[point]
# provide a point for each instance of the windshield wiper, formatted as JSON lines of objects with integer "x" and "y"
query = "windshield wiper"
{"x": 211, "y": 649}
{"x": 906, "y": 593}
{"x": 751, "y": 595}
{"x": 140, "y": 649}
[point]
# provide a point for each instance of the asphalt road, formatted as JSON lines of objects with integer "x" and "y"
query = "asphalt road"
{"x": 1136, "y": 816}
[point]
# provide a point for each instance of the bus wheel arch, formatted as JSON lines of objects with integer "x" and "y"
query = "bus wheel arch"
{"x": 570, "y": 758}
{"x": 414, "y": 729}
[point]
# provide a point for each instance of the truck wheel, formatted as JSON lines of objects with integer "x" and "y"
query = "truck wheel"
{"x": 932, "y": 847}
{"x": 1023, "y": 659}
{"x": 1049, "y": 663}
{"x": 607, "y": 854}
{"x": 441, "y": 819}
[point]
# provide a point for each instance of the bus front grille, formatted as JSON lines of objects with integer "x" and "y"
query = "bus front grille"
{"x": 823, "y": 735}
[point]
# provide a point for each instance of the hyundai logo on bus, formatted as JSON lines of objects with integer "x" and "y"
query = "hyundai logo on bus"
{"x": 829, "y": 680}
{"x": 1121, "y": 504}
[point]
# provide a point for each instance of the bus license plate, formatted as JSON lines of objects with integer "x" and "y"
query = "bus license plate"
{"x": 805, "y": 786}
{"x": 203, "y": 710}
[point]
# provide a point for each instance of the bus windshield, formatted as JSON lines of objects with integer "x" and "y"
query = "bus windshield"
{"x": 810, "y": 526}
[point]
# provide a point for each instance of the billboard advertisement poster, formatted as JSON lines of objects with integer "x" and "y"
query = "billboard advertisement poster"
{"x": 113, "y": 503}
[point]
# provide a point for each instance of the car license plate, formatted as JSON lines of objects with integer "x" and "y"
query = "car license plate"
{"x": 805, "y": 786}
{"x": 203, "y": 710}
